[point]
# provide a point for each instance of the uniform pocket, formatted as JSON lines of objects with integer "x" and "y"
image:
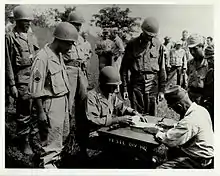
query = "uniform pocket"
{"x": 57, "y": 80}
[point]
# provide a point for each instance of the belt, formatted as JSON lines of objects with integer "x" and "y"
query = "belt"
{"x": 74, "y": 63}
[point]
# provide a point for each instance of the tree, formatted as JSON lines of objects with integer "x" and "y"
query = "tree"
{"x": 114, "y": 16}
{"x": 64, "y": 15}
{"x": 8, "y": 9}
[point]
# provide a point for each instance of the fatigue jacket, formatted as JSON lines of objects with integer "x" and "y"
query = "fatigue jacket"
{"x": 177, "y": 58}
{"x": 193, "y": 134}
{"x": 101, "y": 111}
{"x": 48, "y": 75}
{"x": 142, "y": 59}
{"x": 19, "y": 56}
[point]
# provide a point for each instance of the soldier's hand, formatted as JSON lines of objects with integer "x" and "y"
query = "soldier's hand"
{"x": 43, "y": 120}
{"x": 14, "y": 92}
{"x": 125, "y": 96}
{"x": 125, "y": 119}
{"x": 168, "y": 69}
{"x": 160, "y": 97}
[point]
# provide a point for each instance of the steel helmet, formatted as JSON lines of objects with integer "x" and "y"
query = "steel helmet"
{"x": 23, "y": 13}
{"x": 110, "y": 76}
{"x": 194, "y": 40}
{"x": 150, "y": 26}
{"x": 75, "y": 17}
{"x": 11, "y": 14}
{"x": 66, "y": 31}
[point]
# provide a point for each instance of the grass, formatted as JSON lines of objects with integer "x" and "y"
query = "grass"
{"x": 14, "y": 158}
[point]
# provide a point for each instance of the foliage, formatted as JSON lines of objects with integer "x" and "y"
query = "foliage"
{"x": 8, "y": 9}
{"x": 114, "y": 16}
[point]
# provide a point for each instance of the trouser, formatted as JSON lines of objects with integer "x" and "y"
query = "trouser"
{"x": 143, "y": 94}
{"x": 23, "y": 110}
{"x": 78, "y": 85}
{"x": 9, "y": 100}
{"x": 56, "y": 109}
{"x": 78, "y": 91}
{"x": 180, "y": 160}
{"x": 178, "y": 70}
{"x": 117, "y": 64}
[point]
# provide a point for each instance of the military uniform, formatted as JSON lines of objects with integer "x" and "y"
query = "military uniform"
{"x": 101, "y": 111}
{"x": 177, "y": 62}
{"x": 104, "y": 51}
{"x": 196, "y": 75}
{"x": 49, "y": 82}
{"x": 148, "y": 75}
{"x": 118, "y": 51}
{"x": 19, "y": 51}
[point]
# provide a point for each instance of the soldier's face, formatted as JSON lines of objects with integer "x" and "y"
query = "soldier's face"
{"x": 110, "y": 88}
{"x": 77, "y": 26}
{"x": 185, "y": 35}
{"x": 208, "y": 41}
{"x": 24, "y": 25}
{"x": 64, "y": 46}
{"x": 146, "y": 37}
{"x": 197, "y": 52}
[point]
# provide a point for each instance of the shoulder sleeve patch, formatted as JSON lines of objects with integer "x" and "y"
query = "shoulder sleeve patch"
{"x": 37, "y": 76}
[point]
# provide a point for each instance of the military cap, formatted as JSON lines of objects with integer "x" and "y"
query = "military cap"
{"x": 167, "y": 38}
{"x": 209, "y": 51}
{"x": 178, "y": 42}
{"x": 194, "y": 40}
{"x": 175, "y": 93}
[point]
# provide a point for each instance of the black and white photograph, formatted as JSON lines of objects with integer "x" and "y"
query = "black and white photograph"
{"x": 109, "y": 86}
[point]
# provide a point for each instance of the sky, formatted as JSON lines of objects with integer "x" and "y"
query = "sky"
{"x": 173, "y": 19}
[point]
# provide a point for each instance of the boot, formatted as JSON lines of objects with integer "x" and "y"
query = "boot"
{"x": 25, "y": 146}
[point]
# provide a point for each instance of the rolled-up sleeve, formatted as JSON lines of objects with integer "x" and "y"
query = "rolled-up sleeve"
{"x": 125, "y": 67}
{"x": 178, "y": 135}
{"x": 162, "y": 72}
{"x": 37, "y": 78}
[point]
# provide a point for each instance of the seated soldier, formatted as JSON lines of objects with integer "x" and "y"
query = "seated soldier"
{"x": 191, "y": 138}
{"x": 104, "y": 107}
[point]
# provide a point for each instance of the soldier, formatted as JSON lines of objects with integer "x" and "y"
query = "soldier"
{"x": 144, "y": 57}
{"x": 191, "y": 139}
{"x": 184, "y": 38}
{"x": 118, "y": 49}
{"x": 197, "y": 68}
{"x": 167, "y": 47}
{"x": 49, "y": 87}
{"x": 210, "y": 41}
{"x": 104, "y": 107}
{"x": 208, "y": 91}
{"x": 20, "y": 46}
{"x": 10, "y": 24}
{"x": 104, "y": 50}
{"x": 87, "y": 49}
{"x": 177, "y": 62}
{"x": 76, "y": 19}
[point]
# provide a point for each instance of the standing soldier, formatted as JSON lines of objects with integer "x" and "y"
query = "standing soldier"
{"x": 118, "y": 50}
{"x": 184, "y": 38}
{"x": 104, "y": 50}
{"x": 20, "y": 46}
{"x": 208, "y": 91}
{"x": 87, "y": 50}
{"x": 49, "y": 87}
{"x": 197, "y": 67}
{"x": 144, "y": 57}
{"x": 10, "y": 24}
{"x": 168, "y": 45}
{"x": 177, "y": 62}
{"x": 76, "y": 19}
